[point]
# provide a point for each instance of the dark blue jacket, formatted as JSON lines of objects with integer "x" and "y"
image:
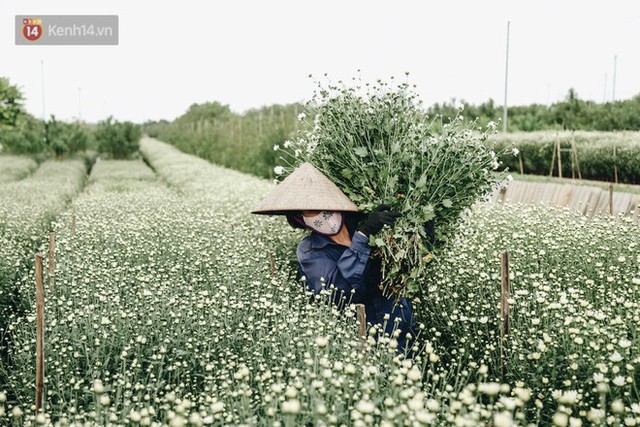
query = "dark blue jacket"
{"x": 354, "y": 269}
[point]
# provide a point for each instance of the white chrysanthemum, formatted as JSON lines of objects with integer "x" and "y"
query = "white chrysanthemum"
{"x": 291, "y": 406}
{"x": 322, "y": 341}
{"x": 503, "y": 419}
{"x": 615, "y": 357}
{"x": 135, "y": 416}
{"x": 560, "y": 419}
{"x": 617, "y": 406}
{"x": 568, "y": 397}
{"x": 217, "y": 407}
{"x": 365, "y": 407}
{"x": 490, "y": 389}
{"x": 624, "y": 343}
{"x": 619, "y": 381}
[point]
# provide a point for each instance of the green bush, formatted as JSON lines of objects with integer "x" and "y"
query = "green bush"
{"x": 594, "y": 152}
{"x": 26, "y": 137}
{"x": 243, "y": 142}
{"x": 120, "y": 140}
{"x": 65, "y": 138}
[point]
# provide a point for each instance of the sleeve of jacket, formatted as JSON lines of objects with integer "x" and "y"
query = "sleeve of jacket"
{"x": 346, "y": 274}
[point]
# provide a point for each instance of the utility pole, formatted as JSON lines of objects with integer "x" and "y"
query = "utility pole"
{"x": 615, "y": 64}
{"x": 506, "y": 75}
{"x": 44, "y": 117}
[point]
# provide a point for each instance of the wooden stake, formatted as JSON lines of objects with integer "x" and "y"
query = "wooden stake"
{"x": 615, "y": 166}
{"x": 504, "y": 307}
{"x": 39, "y": 334}
{"x": 553, "y": 160}
{"x": 73, "y": 225}
{"x": 503, "y": 193}
{"x": 559, "y": 158}
{"x": 610, "y": 199}
{"x": 521, "y": 165}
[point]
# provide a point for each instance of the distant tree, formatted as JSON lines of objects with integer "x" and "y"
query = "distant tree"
{"x": 206, "y": 111}
{"x": 10, "y": 103}
{"x": 120, "y": 140}
{"x": 55, "y": 138}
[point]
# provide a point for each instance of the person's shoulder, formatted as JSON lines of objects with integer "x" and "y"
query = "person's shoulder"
{"x": 309, "y": 248}
{"x": 305, "y": 245}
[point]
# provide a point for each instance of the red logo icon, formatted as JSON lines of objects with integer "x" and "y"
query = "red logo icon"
{"x": 32, "y": 29}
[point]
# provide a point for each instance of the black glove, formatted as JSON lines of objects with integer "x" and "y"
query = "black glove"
{"x": 378, "y": 218}
{"x": 430, "y": 231}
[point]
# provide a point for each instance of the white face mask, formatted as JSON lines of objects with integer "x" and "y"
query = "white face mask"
{"x": 327, "y": 223}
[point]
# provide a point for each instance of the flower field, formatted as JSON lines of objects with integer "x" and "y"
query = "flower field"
{"x": 172, "y": 305}
{"x": 27, "y": 207}
{"x": 14, "y": 168}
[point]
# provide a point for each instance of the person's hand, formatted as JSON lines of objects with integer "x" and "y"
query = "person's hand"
{"x": 430, "y": 231}
{"x": 381, "y": 216}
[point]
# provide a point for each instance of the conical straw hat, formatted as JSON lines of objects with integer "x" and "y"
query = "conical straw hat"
{"x": 305, "y": 189}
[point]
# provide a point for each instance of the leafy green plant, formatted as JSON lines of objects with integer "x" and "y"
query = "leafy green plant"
{"x": 594, "y": 154}
{"x": 118, "y": 139}
{"x": 240, "y": 141}
{"x": 378, "y": 145}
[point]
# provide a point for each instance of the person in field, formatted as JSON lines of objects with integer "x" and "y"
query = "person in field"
{"x": 337, "y": 250}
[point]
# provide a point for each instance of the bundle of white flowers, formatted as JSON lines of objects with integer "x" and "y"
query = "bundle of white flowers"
{"x": 377, "y": 144}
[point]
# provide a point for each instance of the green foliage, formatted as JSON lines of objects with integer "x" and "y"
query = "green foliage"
{"x": 594, "y": 153}
{"x": 240, "y": 141}
{"x": 65, "y": 138}
{"x": 379, "y": 146}
{"x": 26, "y": 137}
{"x": 572, "y": 113}
{"x": 11, "y": 99}
{"x": 120, "y": 140}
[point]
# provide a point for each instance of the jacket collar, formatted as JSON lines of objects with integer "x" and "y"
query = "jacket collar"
{"x": 320, "y": 241}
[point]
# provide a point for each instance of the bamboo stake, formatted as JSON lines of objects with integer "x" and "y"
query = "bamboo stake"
{"x": 610, "y": 199}
{"x": 52, "y": 244}
{"x": 553, "y": 160}
{"x": 521, "y": 165}
{"x": 504, "y": 307}
{"x": 39, "y": 334}
{"x": 615, "y": 166}
{"x": 361, "y": 316}
{"x": 559, "y": 158}
{"x": 503, "y": 193}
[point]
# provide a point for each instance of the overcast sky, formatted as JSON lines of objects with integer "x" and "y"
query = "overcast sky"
{"x": 250, "y": 53}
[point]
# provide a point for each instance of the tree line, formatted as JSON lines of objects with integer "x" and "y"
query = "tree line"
{"x": 22, "y": 133}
